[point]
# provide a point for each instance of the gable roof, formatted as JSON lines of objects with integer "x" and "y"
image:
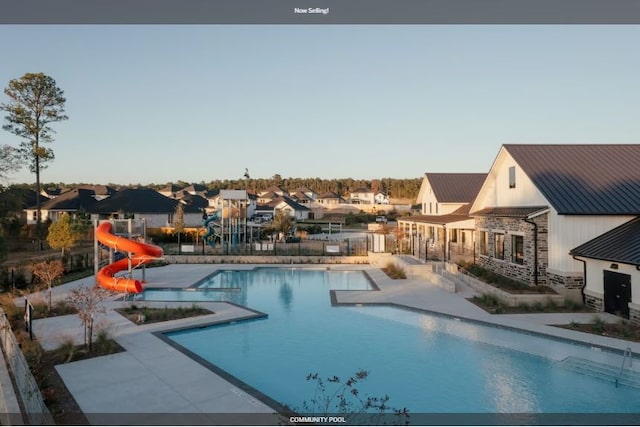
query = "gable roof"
{"x": 196, "y": 188}
{"x": 586, "y": 179}
{"x": 361, "y": 190}
{"x": 139, "y": 200}
{"x": 289, "y": 201}
{"x": 329, "y": 195}
{"x": 194, "y": 200}
{"x": 170, "y": 188}
{"x": 72, "y": 200}
{"x": 456, "y": 187}
{"x": 622, "y": 244}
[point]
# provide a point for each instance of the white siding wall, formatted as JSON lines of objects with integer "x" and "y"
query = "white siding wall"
{"x": 496, "y": 191}
{"x": 447, "y": 208}
{"x": 568, "y": 231}
{"x": 595, "y": 277}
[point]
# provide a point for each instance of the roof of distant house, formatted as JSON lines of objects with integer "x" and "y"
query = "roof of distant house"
{"x": 196, "y": 188}
{"x": 22, "y": 198}
{"x": 588, "y": 179}
{"x": 170, "y": 188}
{"x": 456, "y": 187}
{"x": 194, "y": 200}
{"x": 329, "y": 195}
{"x": 289, "y": 201}
{"x": 72, "y": 200}
{"x": 362, "y": 190}
{"x": 140, "y": 200}
{"x": 622, "y": 244}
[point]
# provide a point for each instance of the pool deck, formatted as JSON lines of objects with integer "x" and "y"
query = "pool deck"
{"x": 151, "y": 380}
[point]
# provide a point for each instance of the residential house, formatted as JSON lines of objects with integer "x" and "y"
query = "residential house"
{"x": 541, "y": 201}
{"x": 70, "y": 202}
{"x": 329, "y": 199}
{"x": 362, "y": 195}
{"x": 145, "y": 203}
{"x": 274, "y": 189}
{"x": 14, "y": 201}
{"x": 444, "y": 229}
{"x": 290, "y": 207}
{"x": 268, "y": 197}
{"x": 306, "y": 191}
{"x": 380, "y": 198}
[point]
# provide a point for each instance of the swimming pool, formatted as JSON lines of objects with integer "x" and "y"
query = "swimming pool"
{"x": 427, "y": 363}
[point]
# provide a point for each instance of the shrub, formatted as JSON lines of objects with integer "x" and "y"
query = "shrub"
{"x": 598, "y": 325}
{"x": 67, "y": 350}
{"x": 394, "y": 271}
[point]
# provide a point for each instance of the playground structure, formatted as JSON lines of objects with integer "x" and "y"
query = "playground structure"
{"x": 122, "y": 236}
{"x": 227, "y": 226}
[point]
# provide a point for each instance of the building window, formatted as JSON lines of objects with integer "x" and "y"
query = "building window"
{"x": 498, "y": 249}
{"x": 436, "y": 208}
{"x": 453, "y": 235}
{"x": 517, "y": 249}
{"x": 430, "y": 207}
{"x": 432, "y": 232}
{"x": 512, "y": 177}
{"x": 483, "y": 243}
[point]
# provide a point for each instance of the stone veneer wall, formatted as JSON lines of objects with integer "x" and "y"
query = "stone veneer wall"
{"x": 525, "y": 271}
{"x": 634, "y": 314}
{"x": 593, "y": 301}
{"x": 566, "y": 282}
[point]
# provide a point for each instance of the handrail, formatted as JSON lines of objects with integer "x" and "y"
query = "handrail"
{"x": 627, "y": 353}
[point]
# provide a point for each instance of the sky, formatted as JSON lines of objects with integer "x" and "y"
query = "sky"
{"x": 155, "y": 104}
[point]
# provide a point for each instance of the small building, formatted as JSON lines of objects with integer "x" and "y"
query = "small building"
{"x": 612, "y": 270}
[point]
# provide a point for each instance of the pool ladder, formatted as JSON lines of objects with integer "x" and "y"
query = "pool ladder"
{"x": 627, "y": 354}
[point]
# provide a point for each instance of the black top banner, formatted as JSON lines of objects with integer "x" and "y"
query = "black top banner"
{"x": 319, "y": 12}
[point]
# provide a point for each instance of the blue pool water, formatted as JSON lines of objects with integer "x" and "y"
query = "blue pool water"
{"x": 426, "y": 363}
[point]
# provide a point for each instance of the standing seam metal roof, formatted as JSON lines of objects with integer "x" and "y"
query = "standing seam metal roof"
{"x": 456, "y": 187}
{"x": 584, "y": 179}
{"x": 622, "y": 244}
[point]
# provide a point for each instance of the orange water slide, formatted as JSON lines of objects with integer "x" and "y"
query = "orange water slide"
{"x": 142, "y": 253}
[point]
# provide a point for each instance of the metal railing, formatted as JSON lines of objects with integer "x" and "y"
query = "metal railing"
{"x": 627, "y": 354}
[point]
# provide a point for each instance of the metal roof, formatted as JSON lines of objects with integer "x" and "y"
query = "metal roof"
{"x": 622, "y": 244}
{"x": 456, "y": 187}
{"x": 510, "y": 211}
{"x": 584, "y": 179}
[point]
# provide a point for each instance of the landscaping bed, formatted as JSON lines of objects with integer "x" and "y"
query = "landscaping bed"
{"x": 141, "y": 314}
{"x": 505, "y": 283}
{"x": 494, "y": 305}
{"x": 394, "y": 272}
{"x": 622, "y": 330}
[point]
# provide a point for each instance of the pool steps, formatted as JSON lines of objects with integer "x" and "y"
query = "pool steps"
{"x": 603, "y": 371}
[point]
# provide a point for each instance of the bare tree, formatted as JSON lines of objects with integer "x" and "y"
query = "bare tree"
{"x": 88, "y": 301}
{"x": 48, "y": 272}
{"x": 178, "y": 223}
